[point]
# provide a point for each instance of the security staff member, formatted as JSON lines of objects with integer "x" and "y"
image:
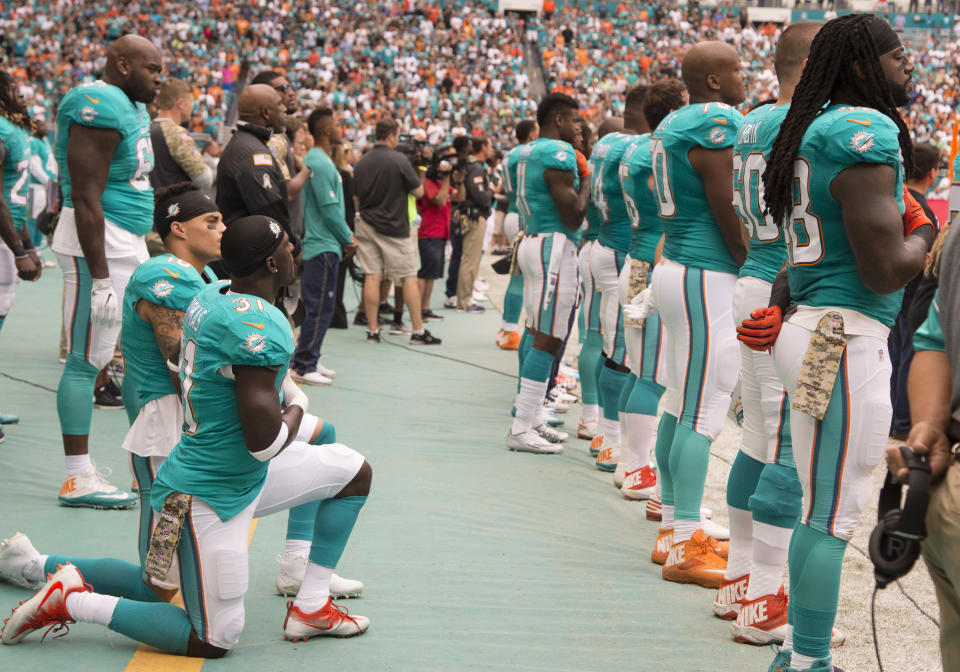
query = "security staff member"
{"x": 176, "y": 156}
{"x": 476, "y": 209}
{"x": 249, "y": 178}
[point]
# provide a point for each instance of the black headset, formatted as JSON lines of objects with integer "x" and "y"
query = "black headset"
{"x": 895, "y": 541}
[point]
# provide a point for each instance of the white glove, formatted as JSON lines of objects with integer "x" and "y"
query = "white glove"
{"x": 641, "y": 306}
{"x": 104, "y": 303}
{"x": 292, "y": 394}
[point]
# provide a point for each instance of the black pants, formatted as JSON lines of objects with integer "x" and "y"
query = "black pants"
{"x": 340, "y": 311}
{"x": 453, "y": 270}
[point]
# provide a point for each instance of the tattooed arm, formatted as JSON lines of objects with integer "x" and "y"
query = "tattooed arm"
{"x": 166, "y": 331}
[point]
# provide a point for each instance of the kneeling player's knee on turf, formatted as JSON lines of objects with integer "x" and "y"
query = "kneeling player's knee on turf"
{"x": 777, "y": 499}
{"x": 360, "y": 485}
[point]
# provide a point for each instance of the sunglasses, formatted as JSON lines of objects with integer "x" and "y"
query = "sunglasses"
{"x": 282, "y": 88}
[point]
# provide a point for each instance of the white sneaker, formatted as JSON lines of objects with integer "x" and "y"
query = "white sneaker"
{"x": 618, "y": 474}
{"x": 324, "y": 371}
{"x": 311, "y": 378}
{"x": 91, "y": 489}
{"x": 329, "y": 621}
{"x": 290, "y": 576}
{"x": 556, "y": 405}
{"x": 550, "y": 434}
{"x": 561, "y": 395}
{"x": 15, "y": 554}
{"x": 47, "y": 607}
{"x": 532, "y": 442}
{"x": 481, "y": 285}
{"x": 449, "y": 302}
{"x": 588, "y": 430}
{"x": 479, "y": 296}
{"x": 715, "y": 530}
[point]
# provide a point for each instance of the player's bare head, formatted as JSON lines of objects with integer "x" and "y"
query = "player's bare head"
{"x": 527, "y": 131}
{"x": 610, "y": 125}
{"x": 793, "y": 47}
{"x": 322, "y": 123}
{"x": 186, "y": 218}
{"x": 135, "y": 65}
{"x": 663, "y": 97}
{"x": 711, "y": 72}
{"x": 255, "y": 248}
{"x": 633, "y": 109}
{"x": 261, "y": 104}
{"x": 559, "y": 117}
{"x": 175, "y": 93}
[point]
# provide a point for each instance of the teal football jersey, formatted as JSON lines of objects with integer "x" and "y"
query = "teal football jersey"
{"x": 211, "y": 460}
{"x": 534, "y": 200}
{"x": 822, "y": 270}
{"x": 509, "y": 171}
{"x": 929, "y": 336}
{"x": 16, "y": 170}
{"x": 636, "y": 167}
{"x": 767, "y": 250}
{"x": 692, "y": 236}
{"x": 591, "y": 231}
{"x": 166, "y": 281}
{"x": 606, "y": 194}
{"x": 128, "y": 198}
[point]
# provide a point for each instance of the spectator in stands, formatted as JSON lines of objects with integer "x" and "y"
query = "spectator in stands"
{"x": 384, "y": 178}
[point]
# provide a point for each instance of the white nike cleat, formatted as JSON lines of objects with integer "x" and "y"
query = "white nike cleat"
{"x": 618, "y": 474}
{"x": 550, "y": 434}
{"x": 561, "y": 395}
{"x": 91, "y": 489}
{"x": 639, "y": 484}
{"x": 588, "y": 430}
{"x": 556, "y": 405}
{"x": 331, "y": 620}
{"x": 47, "y": 607}
{"x": 608, "y": 457}
{"x": 15, "y": 554}
{"x": 311, "y": 378}
{"x": 532, "y": 442}
{"x": 290, "y": 576}
{"x": 715, "y": 530}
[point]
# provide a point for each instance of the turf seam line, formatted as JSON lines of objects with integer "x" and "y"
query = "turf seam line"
{"x": 27, "y": 382}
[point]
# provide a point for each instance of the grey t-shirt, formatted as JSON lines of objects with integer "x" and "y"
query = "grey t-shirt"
{"x": 382, "y": 180}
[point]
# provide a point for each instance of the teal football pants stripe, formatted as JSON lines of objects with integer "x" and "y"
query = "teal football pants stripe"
{"x": 689, "y": 458}
{"x": 191, "y": 579}
{"x": 163, "y": 626}
{"x": 75, "y": 391}
{"x": 108, "y": 576}
{"x": 334, "y": 522}
{"x": 589, "y": 364}
{"x": 816, "y": 560}
{"x": 666, "y": 431}
{"x": 829, "y": 456}
{"x": 513, "y": 300}
{"x": 300, "y": 519}
{"x": 696, "y": 365}
{"x": 143, "y": 473}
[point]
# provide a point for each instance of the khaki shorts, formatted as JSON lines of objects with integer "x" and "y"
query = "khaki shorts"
{"x": 395, "y": 258}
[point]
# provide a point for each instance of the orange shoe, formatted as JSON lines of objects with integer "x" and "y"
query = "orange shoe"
{"x": 654, "y": 508}
{"x": 508, "y": 340}
{"x": 762, "y": 621}
{"x": 693, "y": 561}
{"x": 639, "y": 484}
{"x": 596, "y": 444}
{"x": 730, "y": 597}
{"x": 721, "y": 548}
{"x": 661, "y": 549}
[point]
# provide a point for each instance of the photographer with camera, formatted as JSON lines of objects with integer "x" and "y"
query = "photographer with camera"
{"x": 462, "y": 146}
{"x": 434, "y": 207}
{"x": 934, "y": 391}
{"x": 478, "y": 200}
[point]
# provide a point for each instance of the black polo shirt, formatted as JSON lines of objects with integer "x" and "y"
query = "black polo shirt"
{"x": 249, "y": 179}
{"x": 382, "y": 180}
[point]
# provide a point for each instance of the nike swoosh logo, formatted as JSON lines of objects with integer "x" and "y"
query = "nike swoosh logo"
{"x": 92, "y": 100}
{"x": 722, "y": 122}
{"x": 255, "y": 325}
{"x": 862, "y": 122}
{"x": 171, "y": 273}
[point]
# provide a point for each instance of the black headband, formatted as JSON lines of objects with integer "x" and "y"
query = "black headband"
{"x": 181, "y": 208}
{"x": 885, "y": 39}
{"x": 247, "y": 242}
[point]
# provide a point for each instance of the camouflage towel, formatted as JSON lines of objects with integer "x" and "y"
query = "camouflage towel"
{"x": 166, "y": 535}
{"x": 818, "y": 373}
{"x": 639, "y": 272}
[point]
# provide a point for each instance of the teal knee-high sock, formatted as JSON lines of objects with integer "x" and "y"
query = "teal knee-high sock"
{"x": 816, "y": 560}
{"x": 108, "y": 576}
{"x": 589, "y": 364}
{"x": 624, "y": 400}
{"x": 643, "y": 399}
{"x": 513, "y": 300}
{"x": 611, "y": 384}
{"x": 163, "y": 626}
{"x": 300, "y": 519}
{"x": 742, "y": 481}
{"x": 689, "y": 458}
{"x": 665, "y": 432}
{"x": 526, "y": 342}
{"x": 332, "y": 527}
{"x": 74, "y": 394}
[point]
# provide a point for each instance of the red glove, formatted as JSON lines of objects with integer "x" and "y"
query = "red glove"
{"x": 761, "y": 332}
{"x": 914, "y": 217}
{"x": 583, "y": 166}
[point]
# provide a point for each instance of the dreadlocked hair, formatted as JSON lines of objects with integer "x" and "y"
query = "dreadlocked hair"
{"x": 829, "y": 70}
{"x": 11, "y": 108}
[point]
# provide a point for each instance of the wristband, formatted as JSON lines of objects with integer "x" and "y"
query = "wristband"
{"x": 275, "y": 447}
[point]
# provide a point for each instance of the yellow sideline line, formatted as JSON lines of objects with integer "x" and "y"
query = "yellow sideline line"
{"x": 148, "y": 659}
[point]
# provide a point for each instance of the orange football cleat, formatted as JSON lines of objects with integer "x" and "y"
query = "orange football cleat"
{"x": 693, "y": 561}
